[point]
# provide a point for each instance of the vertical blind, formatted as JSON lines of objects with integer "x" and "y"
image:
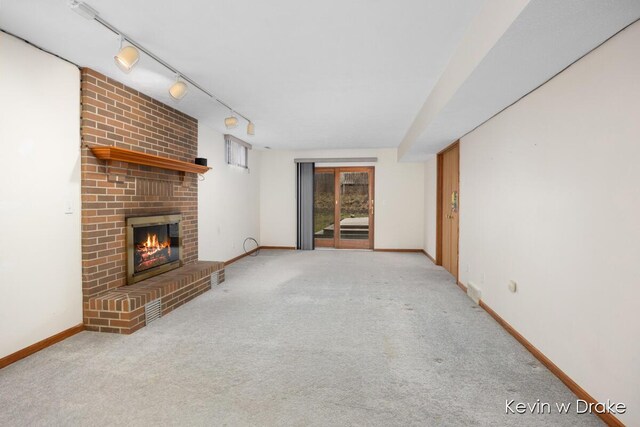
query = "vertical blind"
{"x": 305, "y": 176}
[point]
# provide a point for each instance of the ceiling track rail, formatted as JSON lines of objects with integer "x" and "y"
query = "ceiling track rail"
{"x": 96, "y": 17}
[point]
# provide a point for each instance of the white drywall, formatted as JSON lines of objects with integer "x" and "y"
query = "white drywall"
{"x": 398, "y": 200}
{"x": 430, "y": 198}
{"x": 40, "y": 254}
{"x": 228, "y": 200}
{"x": 550, "y": 198}
{"x": 486, "y": 28}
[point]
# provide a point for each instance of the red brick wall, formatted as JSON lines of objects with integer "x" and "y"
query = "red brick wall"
{"x": 114, "y": 114}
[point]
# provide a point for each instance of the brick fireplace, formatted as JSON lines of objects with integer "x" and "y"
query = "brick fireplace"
{"x": 114, "y": 191}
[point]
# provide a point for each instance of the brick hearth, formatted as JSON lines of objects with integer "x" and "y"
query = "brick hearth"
{"x": 114, "y": 114}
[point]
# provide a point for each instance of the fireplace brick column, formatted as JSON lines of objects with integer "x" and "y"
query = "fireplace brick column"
{"x": 114, "y": 114}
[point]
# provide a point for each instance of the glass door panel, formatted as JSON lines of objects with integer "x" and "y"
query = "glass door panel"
{"x": 354, "y": 205}
{"x": 324, "y": 196}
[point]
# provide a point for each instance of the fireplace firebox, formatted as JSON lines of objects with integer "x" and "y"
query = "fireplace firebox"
{"x": 154, "y": 246}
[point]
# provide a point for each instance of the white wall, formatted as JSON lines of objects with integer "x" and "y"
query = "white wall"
{"x": 40, "y": 255}
{"x": 399, "y": 197}
{"x": 430, "y": 207}
{"x": 550, "y": 198}
{"x": 228, "y": 200}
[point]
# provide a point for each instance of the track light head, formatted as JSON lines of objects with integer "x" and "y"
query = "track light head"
{"x": 251, "y": 129}
{"x": 178, "y": 90}
{"x": 231, "y": 121}
{"x": 127, "y": 58}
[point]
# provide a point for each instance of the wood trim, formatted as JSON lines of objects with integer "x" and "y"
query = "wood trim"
{"x": 609, "y": 419}
{"x": 323, "y": 243}
{"x": 239, "y": 257}
{"x": 103, "y": 152}
{"x": 285, "y": 248}
{"x": 439, "y": 193}
{"x": 232, "y": 260}
{"x": 40, "y": 345}
{"x": 459, "y": 210}
{"x": 462, "y": 286}
{"x": 356, "y": 244}
{"x": 439, "y": 174}
{"x": 347, "y": 243}
{"x": 581, "y": 393}
{"x": 428, "y": 256}
{"x": 399, "y": 250}
{"x": 449, "y": 147}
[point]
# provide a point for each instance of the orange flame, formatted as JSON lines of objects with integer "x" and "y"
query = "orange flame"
{"x": 153, "y": 245}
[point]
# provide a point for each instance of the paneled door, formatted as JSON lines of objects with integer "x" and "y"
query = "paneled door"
{"x": 449, "y": 204}
{"x": 344, "y": 207}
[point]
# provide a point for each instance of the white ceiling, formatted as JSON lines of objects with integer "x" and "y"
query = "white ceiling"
{"x": 545, "y": 38}
{"x": 326, "y": 74}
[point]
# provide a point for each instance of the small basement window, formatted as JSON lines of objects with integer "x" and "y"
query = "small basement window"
{"x": 237, "y": 151}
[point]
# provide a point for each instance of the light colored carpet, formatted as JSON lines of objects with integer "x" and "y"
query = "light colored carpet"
{"x": 296, "y": 338}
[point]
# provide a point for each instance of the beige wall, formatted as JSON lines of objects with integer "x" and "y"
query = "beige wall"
{"x": 550, "y": 198}
{"x": 228, "y": 200}
{"x": 40, "y": 258}
{"x": 399, "y": 197}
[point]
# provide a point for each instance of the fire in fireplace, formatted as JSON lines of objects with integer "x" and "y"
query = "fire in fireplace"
{"x": 154, "y": 245}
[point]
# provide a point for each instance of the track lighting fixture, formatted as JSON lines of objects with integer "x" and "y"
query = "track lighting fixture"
{"x": 231, "y": 121}
{"x": 127, "y": 58}
{"x": 178, "y": 90}
{"x": 129, "y": 55}
{"x": 82, "y": 9}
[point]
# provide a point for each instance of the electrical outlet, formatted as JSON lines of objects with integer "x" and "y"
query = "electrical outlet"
{"x": 513, "y": 286}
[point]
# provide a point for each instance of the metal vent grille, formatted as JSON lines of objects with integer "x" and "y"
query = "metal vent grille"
{"x": 214, "y": 278}
{"x": 152, "y": 311}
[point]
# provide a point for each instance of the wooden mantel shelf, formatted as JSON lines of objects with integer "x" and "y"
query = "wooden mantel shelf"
{"x": 105, "y": 152}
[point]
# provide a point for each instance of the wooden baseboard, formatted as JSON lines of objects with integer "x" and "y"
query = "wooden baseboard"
{"x": 581, "y": 393}
{"x": 285, "y": 248}
{"x": 232, "y": 260}
{"x": 433, "y": 260}
{"x": 462, "y": 286}
{"x": 398, "y": 250}
{"x": 34, "y": 348}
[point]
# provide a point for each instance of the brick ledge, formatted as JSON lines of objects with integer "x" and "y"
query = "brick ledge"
{"x": 122, "y": 310}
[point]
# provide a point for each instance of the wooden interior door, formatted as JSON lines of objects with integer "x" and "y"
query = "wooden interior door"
{"x": 343, "y": 215}
{"x": 449, "y": 208}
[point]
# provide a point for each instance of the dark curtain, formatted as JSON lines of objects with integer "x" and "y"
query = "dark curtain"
{"x": 305, "y": 175}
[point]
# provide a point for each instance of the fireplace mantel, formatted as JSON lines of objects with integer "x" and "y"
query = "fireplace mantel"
{"x": 107, "y": 152}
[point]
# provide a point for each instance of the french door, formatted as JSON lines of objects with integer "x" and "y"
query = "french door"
{"x": 343, "y": 207}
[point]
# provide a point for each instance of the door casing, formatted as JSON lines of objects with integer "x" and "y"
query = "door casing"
{"x": 440, "y": 207}
{"x": 336, "y": 242}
